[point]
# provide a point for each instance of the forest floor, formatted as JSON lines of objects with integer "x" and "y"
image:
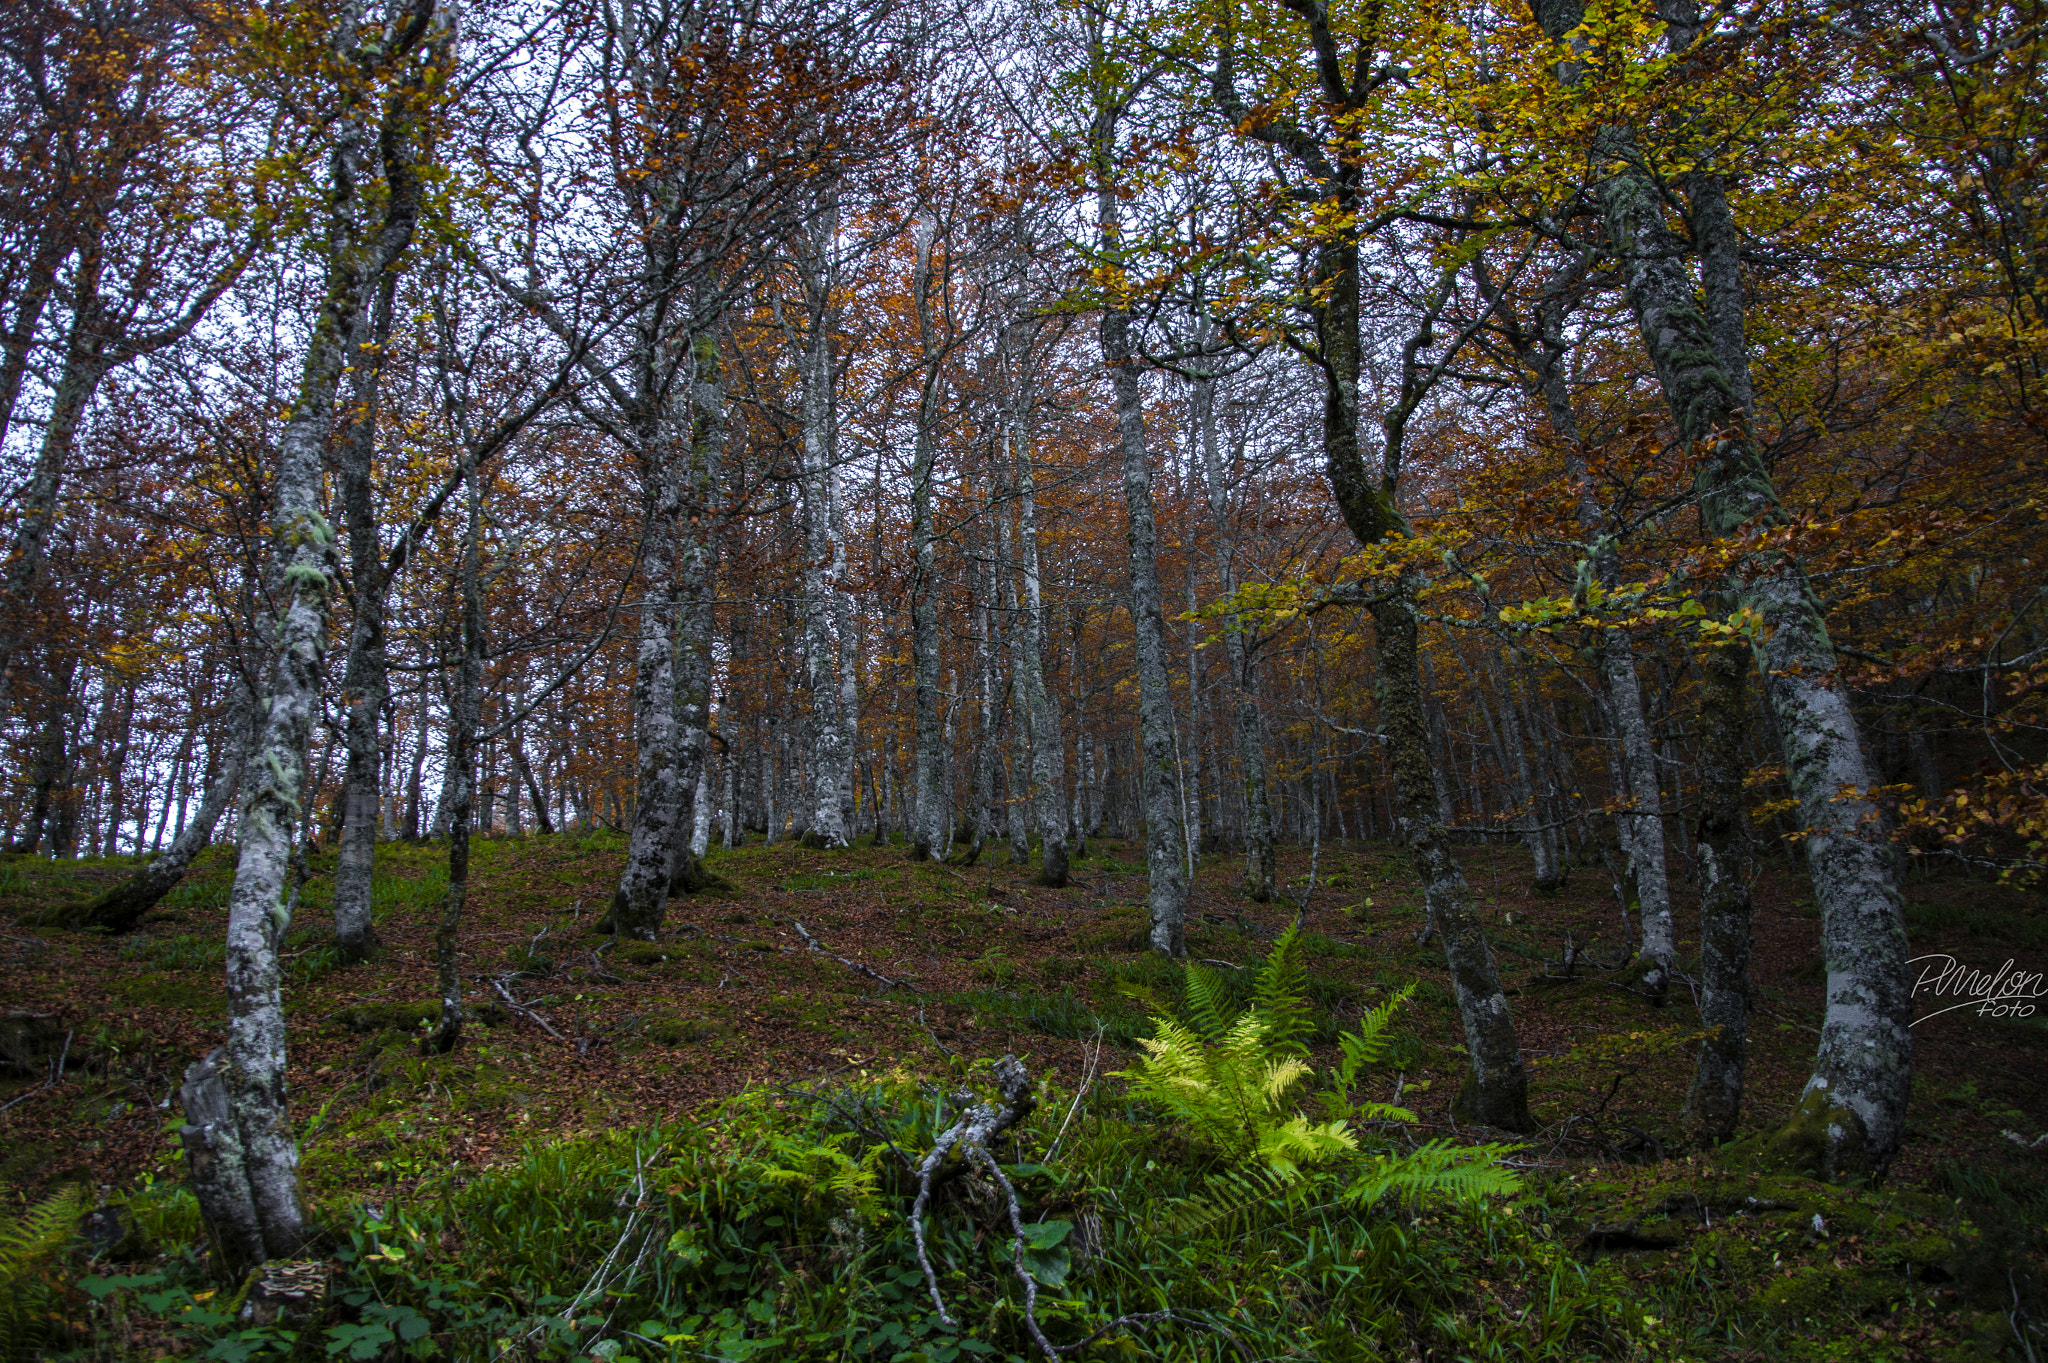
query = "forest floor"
{"x": 916, "y": 965}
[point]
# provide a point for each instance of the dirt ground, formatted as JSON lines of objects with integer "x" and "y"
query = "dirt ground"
{"x": 820, "y": 962}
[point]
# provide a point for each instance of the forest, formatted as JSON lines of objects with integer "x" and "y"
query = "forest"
{"x": 1024, "y": 679}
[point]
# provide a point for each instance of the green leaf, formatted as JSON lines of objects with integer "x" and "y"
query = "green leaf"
{"x": 1047, "y": 1234}
{"x": 1049, "y": 1267}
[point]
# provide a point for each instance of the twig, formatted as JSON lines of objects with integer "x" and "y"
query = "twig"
{"x": 516, "y": 1006}
{"x": 1094, "y": 1054}
{"x": 934, "y": 1035}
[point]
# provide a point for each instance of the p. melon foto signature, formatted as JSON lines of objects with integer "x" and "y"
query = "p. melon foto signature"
{"x": 2007, "y": 992}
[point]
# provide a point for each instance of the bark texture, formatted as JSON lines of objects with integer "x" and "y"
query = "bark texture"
{"x": 1158, "y": 777}
{"x": 932, "y": 823}
{"x": 1714, "y": 1101}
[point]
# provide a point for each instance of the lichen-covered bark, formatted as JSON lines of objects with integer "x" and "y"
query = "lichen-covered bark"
{"x": 1714, "y": 1101}
{"x": 831, "y": 754}
{"x": 641, "y": 900}
{"x": 695, "y": 619}
{"x": 1048, "y": 746}
{"x": 249, "y": 1189}
{"x": 1852, "y": 1113}
{"x": 1159, "y": 789}
{"x": 1863, "y": 1072}
{"x": 1650, "y": 973}
{"x": 932, "y": 830}
{"x": 365, "y": 683}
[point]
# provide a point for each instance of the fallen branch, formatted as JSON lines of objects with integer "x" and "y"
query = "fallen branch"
{"x": 970, "y": 1137}
{"x": 516, "y": 1006}
{"x": 815, "y": 945}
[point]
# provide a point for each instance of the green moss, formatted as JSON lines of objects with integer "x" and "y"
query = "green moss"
{"x": 405, "y": 1017}
{"x": 675, "y": 1031}
{"x": 1804, "y": 1294}
{"x": 164, "y": 990}
{"x": 1822, "y": 1140}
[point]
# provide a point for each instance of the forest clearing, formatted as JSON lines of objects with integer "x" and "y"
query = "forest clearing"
{"x": 877, "y": 679}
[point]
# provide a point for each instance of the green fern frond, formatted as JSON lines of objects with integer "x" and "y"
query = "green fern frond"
{"x": 29, "y": 1241}
{"x": 1280, "y": 994}
{"x": 1369, "y": 1043}
{"x": 30, "y": 1287}
{"x": 1437, "y": 1168}
{"x": 1231, "y": 1202}
{"x": 1209, "y": 1006}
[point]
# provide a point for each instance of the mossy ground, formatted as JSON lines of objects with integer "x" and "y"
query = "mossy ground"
{"x": 981, "y": 960}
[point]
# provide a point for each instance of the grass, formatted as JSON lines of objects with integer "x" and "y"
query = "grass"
{"x": 979, "y": 962}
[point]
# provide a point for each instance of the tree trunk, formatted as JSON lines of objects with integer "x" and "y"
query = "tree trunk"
{"x": 694, "y": 615}
{"x": 238, "y": 1131}
{"x": 1714, "y": 1101}
{"x": 1852, "y": 1114}
{"x": 464, "y": 711}
{"x": 1048, "y": 745}
{"x": 1496, "y": 1091}
{"x": 1158, "y": 786}
{"x": 932, "y": 834}
{"x": 639, "y": 903}
{"x": 830, "y": 757}
{"x": 365, "y": 687}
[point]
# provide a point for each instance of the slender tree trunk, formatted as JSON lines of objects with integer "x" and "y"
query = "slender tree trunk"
{"x": 932, "y": 834}
{"x": 1048, "y": 776}
{"x": 1158, "y": 788}
{"x": 639, "y": 902}
{"x": 464, "y": 712}
{"x": 1714, "y": 1101}
{"x": 830, "y": 756}
{"x": 365, "y": 683}
{"x": 36, "y": 508}
{"x": 1638, "y": 790}
{"x": 1496, "y": 1091}
{"x": 694, "y": 614}
{"x": 1261, "y": 865}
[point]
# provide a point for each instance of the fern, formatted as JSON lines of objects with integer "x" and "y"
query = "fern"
{"x": 1436, "y": 1169}
{"x": 30, "y": 1286}
{"x": 1361, "y": 1048}
{"x": 1228, "y": 1204}
{"x": 1209, "y": 1005}
{"x": 1231, "y": 1080}
{"x": 1279, "y": 996}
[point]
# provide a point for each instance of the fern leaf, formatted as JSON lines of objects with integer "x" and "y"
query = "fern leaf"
{"x": 1208, "y": 1001}
{"x": 1229, "y": 1205}
{"x": 1369, "y": 1043}
{"x": 1279, "y": 996}
{"x": 29, "y": 1286}
{"x": 1437, "y": 1168}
